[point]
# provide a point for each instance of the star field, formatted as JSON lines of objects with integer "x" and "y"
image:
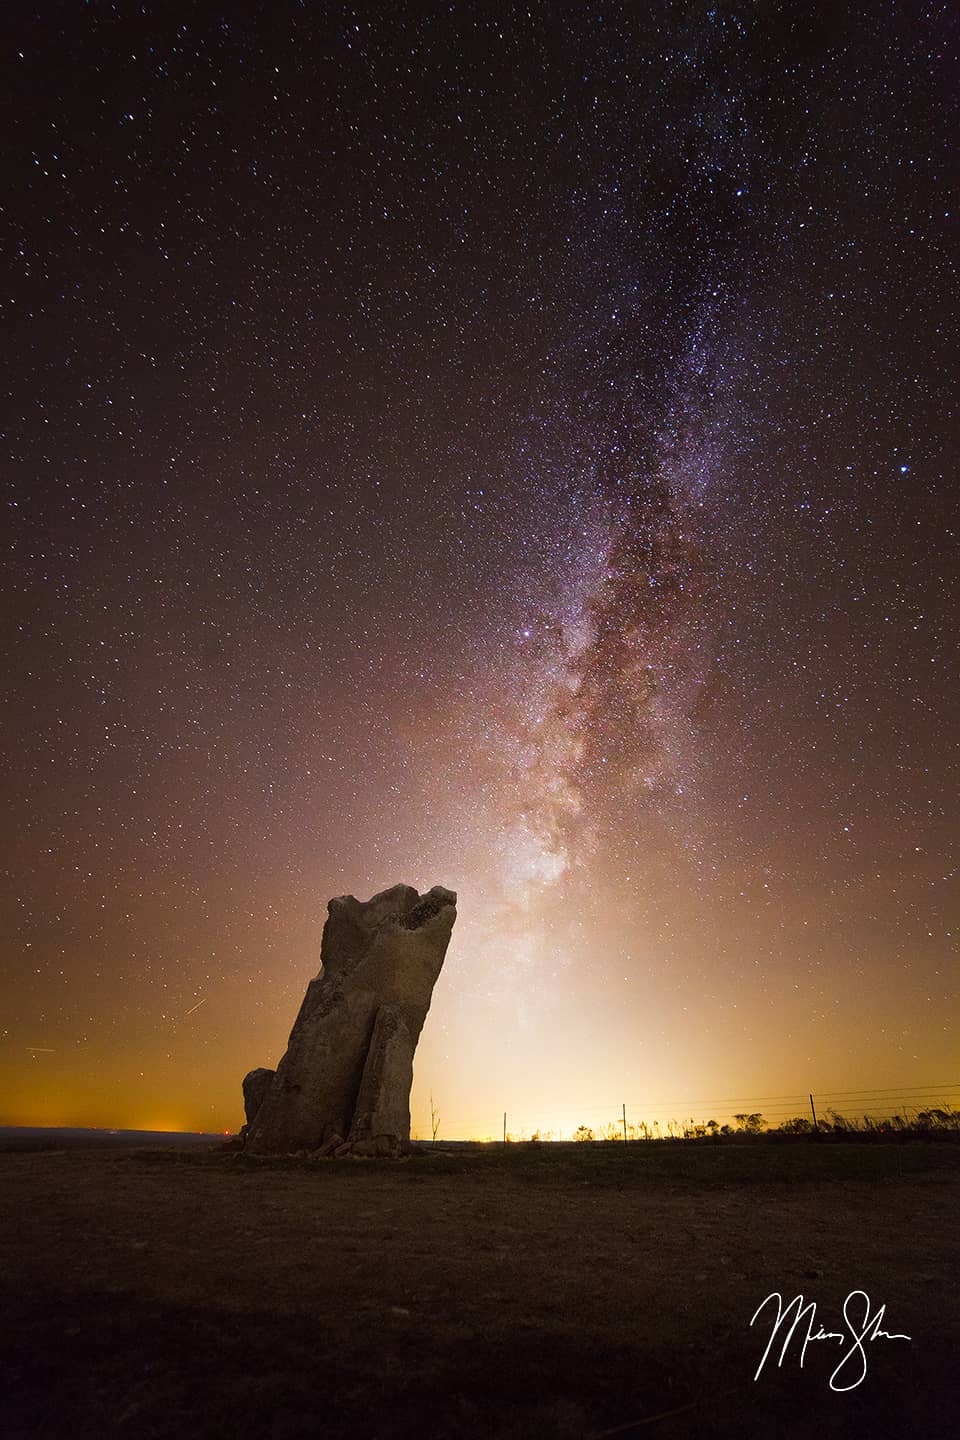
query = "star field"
{"x": 509, "y": 449}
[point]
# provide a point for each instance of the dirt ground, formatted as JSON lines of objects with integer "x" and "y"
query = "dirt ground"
{"x": 524, "y": 1294}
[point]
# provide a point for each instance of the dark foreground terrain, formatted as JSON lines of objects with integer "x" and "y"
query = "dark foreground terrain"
{"x": 521, "y": 1292}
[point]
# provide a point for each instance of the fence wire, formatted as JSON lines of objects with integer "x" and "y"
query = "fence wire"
{"x": 660, "y": 1116}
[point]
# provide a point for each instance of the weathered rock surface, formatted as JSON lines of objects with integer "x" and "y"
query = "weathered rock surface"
{"x": 349, "y": 1061}
{"x": 256, "y": 1083}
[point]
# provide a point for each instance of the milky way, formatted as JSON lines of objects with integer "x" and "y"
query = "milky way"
{"x": 609, "y": 704}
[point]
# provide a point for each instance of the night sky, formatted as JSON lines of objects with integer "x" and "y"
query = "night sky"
{"x": 509, "y": 448}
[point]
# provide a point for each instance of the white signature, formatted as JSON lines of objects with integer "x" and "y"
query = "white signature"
{"x": 861, "y": 1329}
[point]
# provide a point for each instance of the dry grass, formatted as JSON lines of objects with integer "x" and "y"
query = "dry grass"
{"x": 521, "y": 1293}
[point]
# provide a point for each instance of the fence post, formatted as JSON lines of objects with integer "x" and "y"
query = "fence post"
{"x": 504, "y": 1127}
{"x": 624, "y": 1122}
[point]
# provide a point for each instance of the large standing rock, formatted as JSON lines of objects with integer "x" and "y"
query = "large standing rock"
{"x": 349, "y": 1062}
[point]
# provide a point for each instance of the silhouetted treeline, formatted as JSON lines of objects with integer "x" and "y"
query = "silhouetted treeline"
{"x": 933, "y": 1124}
